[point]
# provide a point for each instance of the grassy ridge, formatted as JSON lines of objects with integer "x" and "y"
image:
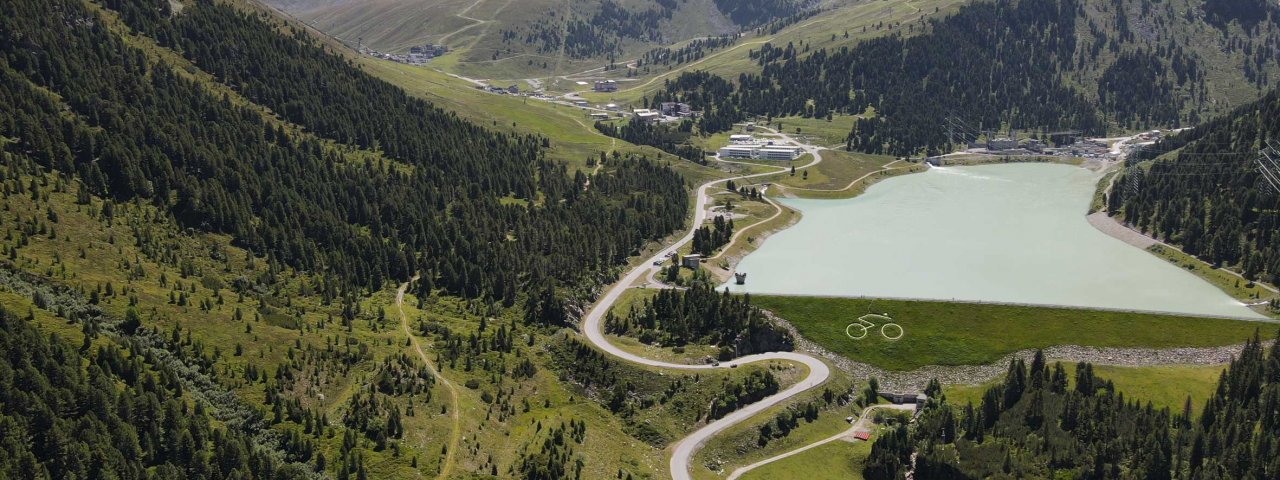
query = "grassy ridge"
{"x": 835, "y": 460}
{"x": 945, "y": 333}
{"x": 837, "y": 170}
{"x": 1224, "y": 279}
{"x": 286, "y": 321}
{"x": 826, "y": 30}
{"x": 1162, "y": 385}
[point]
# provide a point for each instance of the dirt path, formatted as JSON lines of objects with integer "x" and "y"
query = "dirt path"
{"x": 455, "y": 435}
{"x": 463, "y": 15}
{"x": 475, "y": 23}
{"x": 587, "y": 185}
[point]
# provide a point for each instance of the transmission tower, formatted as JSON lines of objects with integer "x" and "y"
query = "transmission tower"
{"x": 1269, "y": 165}
{"x": 1133, "y": 177}
{"x": 958, "y": 131}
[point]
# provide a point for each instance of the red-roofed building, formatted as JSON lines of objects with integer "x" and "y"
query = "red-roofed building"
{"x": 862, "y": 435}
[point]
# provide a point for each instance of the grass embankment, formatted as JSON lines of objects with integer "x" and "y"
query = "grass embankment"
{"x": 947, "y": 333}
{"x": 1163, "y": 385}
{"x": 1099, "y": 201}
{"x": 1227, "y": 281}
{"x": 842, "y": 175}
{"x": 837, "y": 169}
{"x": 837, "y": 460}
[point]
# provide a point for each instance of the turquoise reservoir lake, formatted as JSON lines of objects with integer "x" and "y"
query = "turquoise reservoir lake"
{"x": 1001, "y": 233}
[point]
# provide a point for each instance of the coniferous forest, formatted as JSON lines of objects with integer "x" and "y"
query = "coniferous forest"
{"x": 709, "y": 238}
{"x": 673, "y": 140}
{"x": 605, "y": 28}
{"x": 1038, "y": 65}
{"x": 1207, "y": 196}
{"x": 754, "y": 13}
{"x": 229, "y": 251}
{"x": 255, "y": 132}
{"x": 122, "y": 416}
{"x": 430, "y": 202}
{"x": 1041, "y": 422}
{"x": 603, "y": 32}
{"x": 703, "y": 316}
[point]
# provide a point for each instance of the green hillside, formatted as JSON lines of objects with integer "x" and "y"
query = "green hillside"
{"x": 955, "y": 333}
{"x": 1202, "y": 191}
{"x": 234, "y": 247}
{"x": 1043, "y": 66}
{"x": 1041, "y": 422}
{"x": 229, "y": 205}
{"x": 534, "y": 38}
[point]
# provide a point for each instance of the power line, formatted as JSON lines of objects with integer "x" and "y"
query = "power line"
{"x": 1201, "y": 154}
{"x": 1176, "y": 163}
{"x": 1190, "y": 154}
{"x": 1267, "y": 161}
{"x": 1269, "y": 166}
{"x": 958, "y": 131}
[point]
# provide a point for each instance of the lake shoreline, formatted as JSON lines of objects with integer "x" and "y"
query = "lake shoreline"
{"x": 1023, "y": 202}
{"x": 1112, "y": 227}
{"x": 958, "y": 301}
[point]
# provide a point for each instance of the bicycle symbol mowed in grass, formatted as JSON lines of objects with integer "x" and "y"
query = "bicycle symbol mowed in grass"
{"x": 864, "y": 325}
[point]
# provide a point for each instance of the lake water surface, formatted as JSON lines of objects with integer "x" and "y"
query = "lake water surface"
{"x": 1005, "y": 233}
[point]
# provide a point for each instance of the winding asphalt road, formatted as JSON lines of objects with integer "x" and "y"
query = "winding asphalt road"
{"x": 684, "y": 449}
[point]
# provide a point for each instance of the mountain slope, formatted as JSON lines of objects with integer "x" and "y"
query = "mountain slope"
{"x": 534, "y": 38}
{"x": 122, "y": 416}
{"x": 228, "y": 193}
{"x": 1204, "y": 193}
{"x": 303, "y": 207}
{"x": 1039, "y": 422}
{"x": 1041, "y": 65}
